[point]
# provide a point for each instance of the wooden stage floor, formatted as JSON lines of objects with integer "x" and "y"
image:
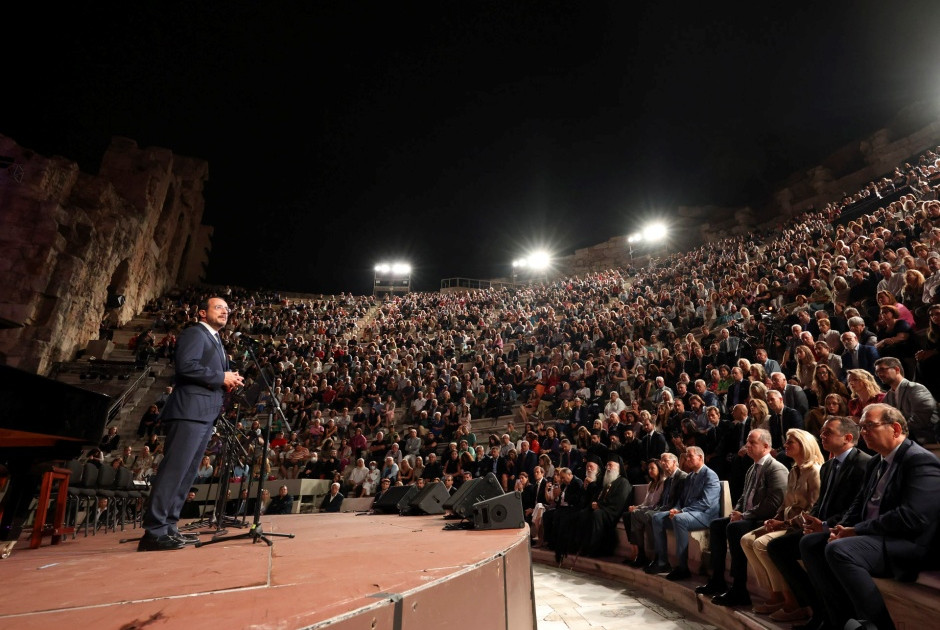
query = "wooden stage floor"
{"x": 339, "y": 571}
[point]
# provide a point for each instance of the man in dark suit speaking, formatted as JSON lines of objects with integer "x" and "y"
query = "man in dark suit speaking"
{"x": 202, "y": 377}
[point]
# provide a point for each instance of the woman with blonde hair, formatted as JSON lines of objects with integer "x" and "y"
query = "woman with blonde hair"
{"x": 758, "y": 414}
{"x": 912, "y": 296}
{"x": 758, "y": 390}
{"x": 806, "y": 369}
{"x": 802, "y": 492}
{"x": 757, "y": 374}
{"x": 865, "y": 391}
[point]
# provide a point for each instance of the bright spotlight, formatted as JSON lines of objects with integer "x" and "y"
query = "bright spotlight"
{"x": 654, "y": 232}
{"x": 539, "y": 260}
{"x": 520, "y": 262}
{"x": 382, "y": 268}
{"x": 635, "y": 237}
{"x": 401, "y": 268}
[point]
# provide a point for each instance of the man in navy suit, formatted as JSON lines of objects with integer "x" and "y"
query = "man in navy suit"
{"x": 857, "y": 356}
{"x": 202, "y": 377}
{"x": 696, "y": 508}
{"x": 889, "y": 530}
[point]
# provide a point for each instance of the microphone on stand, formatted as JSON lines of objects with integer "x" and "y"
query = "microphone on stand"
{"x": 246, "y": 339}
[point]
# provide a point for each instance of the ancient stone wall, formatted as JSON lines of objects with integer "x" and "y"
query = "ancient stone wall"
{"x": 65, "y": 236}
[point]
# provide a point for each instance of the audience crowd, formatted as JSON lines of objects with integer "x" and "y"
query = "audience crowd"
{"x": 784, "y": 349}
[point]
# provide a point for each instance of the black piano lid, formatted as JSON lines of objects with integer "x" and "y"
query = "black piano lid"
{"x": 36, "y": 404}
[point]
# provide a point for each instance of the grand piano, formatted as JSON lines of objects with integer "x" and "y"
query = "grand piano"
{"x": 41, "y": 420}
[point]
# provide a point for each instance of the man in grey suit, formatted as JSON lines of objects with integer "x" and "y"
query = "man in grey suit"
{"x": 202, "y": 377}
{"x": 764, "y": 487}
{"x": 913, "y": 400}
{"x": 698, "y": 505}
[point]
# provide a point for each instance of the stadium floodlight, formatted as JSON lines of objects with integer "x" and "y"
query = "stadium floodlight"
{"x": 539, "y": 260}
{"x": 392, "y": 278}
{"x": 520, "y": 263}
{"x": 654, "y": 232}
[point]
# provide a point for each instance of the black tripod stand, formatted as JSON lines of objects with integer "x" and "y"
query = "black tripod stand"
{"x": 230, "y": 454}
{"x": 255, "y": 532}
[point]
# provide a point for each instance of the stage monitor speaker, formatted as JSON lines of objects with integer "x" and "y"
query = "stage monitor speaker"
{"x": 395, "y": 499}
{"x": 472, "y": 492}
{"x": 502, "y": 512}
{"x": 429, "y": 500}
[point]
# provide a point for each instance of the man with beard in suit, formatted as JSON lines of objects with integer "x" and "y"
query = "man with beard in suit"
{"x": 597, "y": 526}
{"x": 202, "y": 378}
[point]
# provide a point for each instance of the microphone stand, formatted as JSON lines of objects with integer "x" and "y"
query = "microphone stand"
{"x": 230, "y": 455}
{"x": 255, "y": 531}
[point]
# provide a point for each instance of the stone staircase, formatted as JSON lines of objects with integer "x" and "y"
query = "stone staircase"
{"x": 160, "y": 376}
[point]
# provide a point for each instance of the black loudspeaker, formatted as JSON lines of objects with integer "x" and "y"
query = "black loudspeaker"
{"x": 429, "y": 500}
{"x": 472, "y": 492}
{"x": 395, "y": 500}
{"x": 502, "y": 512}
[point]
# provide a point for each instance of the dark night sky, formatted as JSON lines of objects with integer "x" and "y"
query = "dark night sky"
{"x": 456, "y": 134}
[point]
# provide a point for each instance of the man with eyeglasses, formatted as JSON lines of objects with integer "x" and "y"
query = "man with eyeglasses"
{"x": 201, "y": 380}
{"x": 887, "y": 531}
{"x": 913, "y": 400}
{"x": 840, "y": 480}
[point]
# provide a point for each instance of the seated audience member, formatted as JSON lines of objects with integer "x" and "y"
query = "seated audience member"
{"x": 764, "y": 489}
{"x": 781, "y": 420}
{"x": 793, "y": 395}
{"x": 857, "y": 356}
{"x": 665, "y": 484}
{"x": 928, "y": 357}
{"x": 597, "y": 526}
{"x": 840, "y": 480}
{"x": 801, "y": 494}
{"x": 109, "y": 442}
{"x": 333, "y": 500}
{"x": 698, "y": 505}
{"x": 532, "y": 496}
{"x": 357, "y": 478}
{"x": 283, "y": 503}
{"x": 913, "y": 400}
{"x": 566, "y": 495}
{"x": 889, "y": 530}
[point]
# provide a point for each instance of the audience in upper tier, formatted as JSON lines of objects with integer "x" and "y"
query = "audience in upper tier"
{"x": 833, "y": 314}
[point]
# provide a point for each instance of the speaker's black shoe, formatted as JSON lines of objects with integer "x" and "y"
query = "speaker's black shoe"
{"x": 159, "y": 543}
{"x": 711, "y": 588}
{"x": 679, "y": 573}
{"x": 732, "y": 597}
{"x": 639, "y": 562}
{"x": 657, "y": 567}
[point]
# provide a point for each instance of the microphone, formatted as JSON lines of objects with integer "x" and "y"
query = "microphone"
{"x": 246, "y": 339}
